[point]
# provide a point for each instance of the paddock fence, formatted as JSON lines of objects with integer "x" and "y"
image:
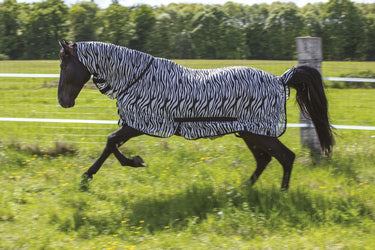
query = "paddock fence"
{"x": 43, "y": 128}
{"x": 49, "y": 120}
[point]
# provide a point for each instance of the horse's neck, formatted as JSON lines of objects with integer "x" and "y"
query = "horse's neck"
{"x": 115, "y": 67}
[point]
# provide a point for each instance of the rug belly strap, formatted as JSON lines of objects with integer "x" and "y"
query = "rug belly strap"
{"x": 205, "y": 119}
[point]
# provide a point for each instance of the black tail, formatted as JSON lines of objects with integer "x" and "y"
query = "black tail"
{"x": 313, "y": 102}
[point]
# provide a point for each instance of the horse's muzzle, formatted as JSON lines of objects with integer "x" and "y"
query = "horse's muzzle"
{"x": 66, "y": 104}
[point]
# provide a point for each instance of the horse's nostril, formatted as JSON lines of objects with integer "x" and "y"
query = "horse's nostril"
{"x": 66, "y": 104}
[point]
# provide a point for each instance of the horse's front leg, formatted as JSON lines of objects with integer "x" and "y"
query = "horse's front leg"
{"x": 113, "y": 142}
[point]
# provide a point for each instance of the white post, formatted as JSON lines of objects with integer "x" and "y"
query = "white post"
{"x": 309, "y": 51}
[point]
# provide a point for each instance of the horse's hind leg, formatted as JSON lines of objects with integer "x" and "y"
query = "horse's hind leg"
{"x": 115, "y": 140}
{"x": 262, "y": 158}
{"x": 274, "y": 148}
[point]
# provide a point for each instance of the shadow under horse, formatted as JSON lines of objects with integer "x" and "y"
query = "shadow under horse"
{"x": 158, "y": 97}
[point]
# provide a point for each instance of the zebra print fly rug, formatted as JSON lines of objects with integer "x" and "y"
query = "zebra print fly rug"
{"x": 161, "y": 98}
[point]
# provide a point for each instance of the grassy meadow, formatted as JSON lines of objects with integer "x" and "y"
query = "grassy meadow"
{"x": 191, "y": 194}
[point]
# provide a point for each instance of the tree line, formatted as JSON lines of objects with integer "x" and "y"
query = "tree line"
{"x": 189, "y": 31}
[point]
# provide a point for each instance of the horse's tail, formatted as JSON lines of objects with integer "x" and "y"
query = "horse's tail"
{"x": 312, "y": 101}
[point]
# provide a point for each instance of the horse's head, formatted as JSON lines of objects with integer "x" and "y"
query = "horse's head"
{"x": 73, "y": 74}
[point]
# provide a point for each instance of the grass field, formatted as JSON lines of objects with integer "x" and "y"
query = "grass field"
{"x": 190, "y": 196}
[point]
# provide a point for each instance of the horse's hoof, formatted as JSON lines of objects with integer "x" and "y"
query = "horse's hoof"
{"x": 138, "y": 162}
{"x": 85, "y": 181}
{"x": 284, "y": 189}
{"x": 87, "y": 176}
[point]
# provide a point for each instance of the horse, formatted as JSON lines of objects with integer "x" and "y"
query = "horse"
{"x": 158, "y": 97}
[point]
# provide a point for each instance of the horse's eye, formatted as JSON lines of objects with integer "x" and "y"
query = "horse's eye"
{"x": 62, "y": 56}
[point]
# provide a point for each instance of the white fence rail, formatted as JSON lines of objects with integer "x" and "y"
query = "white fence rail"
{"x": 30, "y": 75}
{"x": 47, "y": 120}
{"x": 348, "y": 79}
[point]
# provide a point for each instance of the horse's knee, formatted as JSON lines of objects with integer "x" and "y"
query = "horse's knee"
{"x": 111, "y": 137}
{"x": 112, "y": 140}
{"x": 263, "y": 158}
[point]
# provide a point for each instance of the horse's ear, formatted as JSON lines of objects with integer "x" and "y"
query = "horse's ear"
{"x": 63, "y": 43}
{"x": 68, "y": 47}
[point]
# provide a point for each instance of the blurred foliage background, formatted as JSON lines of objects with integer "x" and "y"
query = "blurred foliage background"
{"x": 190, "y": 31}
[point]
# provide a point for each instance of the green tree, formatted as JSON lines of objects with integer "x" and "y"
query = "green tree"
{"x": 171, "y": 36}
{"x": 44, "y": 26}
{"x": 256, "y": 36}
{"x": 234, "y": 35}
{"x": 118, "y": 28}
{"x": 161, "y": 36}
{"x": 144, "y": 19}
{"x": 180, "y": 41}
{"x": 83, "y": 25}
{"x": 233, "y": 41}
{"x": 210, "y": 33}
{"x": 229, "y": 31}
{"x": 311, "y": 20}
{"x": 369, "y": 44}
{"x": 237, "y": 13}
{"x": 283, "y": 25}
{"x": 367, "y": 47}
{"x": 343, "y": 29}
{"x": 183, "y": 47}
{"x": 9, "y": 29}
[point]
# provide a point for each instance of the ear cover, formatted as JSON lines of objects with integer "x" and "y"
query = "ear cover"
{"x": 67, "y": 46}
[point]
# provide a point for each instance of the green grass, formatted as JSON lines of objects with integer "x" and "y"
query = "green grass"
{"x": 329, "y": 68}
{"x": 40, "y": 66}
{"x": 190, "y": 196}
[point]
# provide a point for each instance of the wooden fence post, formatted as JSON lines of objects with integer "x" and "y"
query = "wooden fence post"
{"x": 309, "y": 52}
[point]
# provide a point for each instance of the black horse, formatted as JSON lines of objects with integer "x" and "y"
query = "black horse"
{"x": 77, "y": 67}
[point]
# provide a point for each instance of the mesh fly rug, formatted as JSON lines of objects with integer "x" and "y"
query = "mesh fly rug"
{"x": 162, "y": 98}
